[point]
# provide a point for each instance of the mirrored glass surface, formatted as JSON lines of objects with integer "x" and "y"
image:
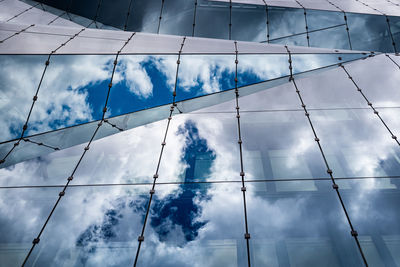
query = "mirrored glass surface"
{"x": 178, "y": 17}
{"x": 113, "y": 13}
{"x": 286, "y": 22}
{"x": 373, "y": 208}
{"x": 92, "y": 226}
{"x": 86, "y": 8}
{"x": 295, "y": 40}
{"x": 195, "y": 225}
{"x": 144, "y": 16}
{"x": 294, "y": 224}
{"x": 378, "y": 77}
{"x": 369, "y": 32}
{"x": 395, "y": 30}
{"x": 212, "y": 13}
{"x": 249, "y": 23}
{"x": 356, "y": 143}
{"x": 19, "y": 78}
{"x": 335, "y": 37}
{"x": 23, "y": 211}
{"x": 280, "y": 145}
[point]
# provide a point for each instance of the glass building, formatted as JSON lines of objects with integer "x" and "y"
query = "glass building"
{"x": 199, "y": 133}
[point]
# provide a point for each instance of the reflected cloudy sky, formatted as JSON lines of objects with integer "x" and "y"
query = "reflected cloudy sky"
{"x": 74, "y": 87}
{"x": 202, "y": 224}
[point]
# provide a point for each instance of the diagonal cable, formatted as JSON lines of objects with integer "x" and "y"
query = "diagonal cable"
{"x": 35, "y": 97}
{"x": 335, "y": 186}
{"x": 70, "y": 178}
{"x": 370, "y": 104}
{"x": 155, "y": 176}
{"x": 242, "y": 174}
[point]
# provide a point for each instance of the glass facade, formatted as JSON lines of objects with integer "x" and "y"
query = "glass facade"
{"x": 199, "y": 133}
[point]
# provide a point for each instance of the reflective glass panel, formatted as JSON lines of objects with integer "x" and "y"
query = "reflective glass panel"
{"x": 19, "y": 78}
{"x": 395, "y": 29}
{"x": 144, "y": 16}
{"x": 86, "y": 8}
{"x": 298, "y": 226}
{"x": 212, "y": 13}
{"x": 249, "y": 23}
{"x": 195, "y": 225}
{"x": 178, "y": 17}
{"x": 286, "y": 22}
{"x": 23, "y": 211}
{"x": 373, "y": 208}
{"x": 356, "y": 143}
{"x": 369, "y": 32}
{"x": 113, "y": 12}
{"x": 378, "y": 77}
{"x": 92, "y": 226}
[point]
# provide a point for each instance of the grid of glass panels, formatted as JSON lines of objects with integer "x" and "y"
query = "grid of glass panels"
{"x": 98, "y": 202}
{"x": 196, "y": 214}
{"x": 236, "y": 21}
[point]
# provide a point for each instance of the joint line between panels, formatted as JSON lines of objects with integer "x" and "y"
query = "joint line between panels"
{"x": 113, "y": 125}
{"x": 160, "y": 18}
{"x": 22, "y": 12}
{"x": 56, "y": 18}
{"x": 345, "y": 20}
{"x": 70, "y": 178}
{"x": 35, "y": 97}
{"x": 387, "y": 21}
{"x": 230, "y": 20}
{"x": 370, "y": 104}
{"x": 94, "y": 21}
{"x": 242, "y": 174}
{"x": 127, "y": 15}
{"x": 396, "y": 4}
{"x": 394, "y": 62}
{"x": 305, "y": 20}
{"x": 163, "y": 144}
{"x": 194, "y": 17}
{"x": 40, "y": 144}
{"x": 328, "y": 169}
{"x": 17, "y": 33}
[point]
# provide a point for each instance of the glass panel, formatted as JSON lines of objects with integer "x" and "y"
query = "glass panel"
{"x": 356, "y": 143}
{"x": 330, "y": 89}
{"x": 19, "y": 78}
{"x": 369, "y": 32}
{"x": 178, "y": 17}
{"x": 22, "y": 213}
{"x": 375, "y": 76}
{"x": 11, "y": 8}
{"x": 390, "y": 116}
{"x": 93, "y": 226}
{"x": 286, "y": 22}
{"x": 142, "y": 82}
{"x": 203, "y": 74}
{"x": 330, "y": 38}
{"x": 373, "y": 208}
{"x": 105, "y": 155}
{"x": 144, "y": 15}
{"x": 212, "y": 235}
{"x": 395, "y": 29}
{"x": 249, "y": 23}
{"x": 87, "y": 8}
{"x": 321, "y": 19}
{"x": 298, "y": 227}
{"x": 212, "y": 13}
{"x": 296, "y": 40}
{"x": 113, "y": 13}
{"x": 39, "y": 43}
{"x": 279, "y": 145}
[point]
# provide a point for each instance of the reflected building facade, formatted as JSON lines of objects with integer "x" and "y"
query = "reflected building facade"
{"x": 199, "y": 133}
